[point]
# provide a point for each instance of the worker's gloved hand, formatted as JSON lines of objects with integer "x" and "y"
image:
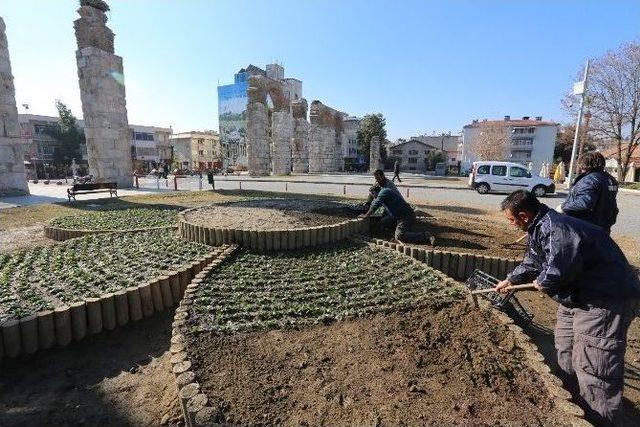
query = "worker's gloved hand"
{"x": 501, "y": 286}
{"x": 559, "y": 208}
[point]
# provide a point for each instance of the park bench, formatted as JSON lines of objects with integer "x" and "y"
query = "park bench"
{"x": 98, "y": 187}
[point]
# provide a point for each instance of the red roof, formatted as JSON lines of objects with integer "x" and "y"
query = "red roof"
{"x": 612, "y": 153}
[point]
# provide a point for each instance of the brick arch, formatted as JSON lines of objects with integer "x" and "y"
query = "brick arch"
{"x": 261, "y": 86}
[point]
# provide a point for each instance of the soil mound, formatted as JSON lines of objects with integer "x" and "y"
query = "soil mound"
{"x": 428, "y": 366}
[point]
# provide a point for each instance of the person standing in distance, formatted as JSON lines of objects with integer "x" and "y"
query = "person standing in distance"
{"x": 396, "y": 171}
{"x": 593, "y": 194}
{"x": 581, "y": 267}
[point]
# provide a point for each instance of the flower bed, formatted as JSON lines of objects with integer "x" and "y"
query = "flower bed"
{"x": 352, "y": 335}
{"x": 271, "y": 224}
{"x": 66, "y": 227}
{"x": 45, "y": 277}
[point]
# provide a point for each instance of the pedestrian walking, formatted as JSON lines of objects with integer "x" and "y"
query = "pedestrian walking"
{"x": 396, "y": 171}
{"x": 581, "y": 267}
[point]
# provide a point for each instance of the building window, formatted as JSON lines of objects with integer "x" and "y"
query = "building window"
{"x": 412, "y": 160}
{"x": 413, "y": 152}
{"x": 143, "y": 136}
{"x": 522, "y": 142}
{"x": 397, "y": 152}
{"x": 200, "y": 152}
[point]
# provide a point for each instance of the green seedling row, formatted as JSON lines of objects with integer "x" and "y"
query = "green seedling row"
{"x": 119, "y": 219}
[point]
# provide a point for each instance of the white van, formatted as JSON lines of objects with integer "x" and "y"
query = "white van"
{"x": 505, "y": 177}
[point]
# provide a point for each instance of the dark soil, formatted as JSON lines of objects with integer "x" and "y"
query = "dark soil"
{"x": 450, "y": 367}
{"x": 458, "y": 233}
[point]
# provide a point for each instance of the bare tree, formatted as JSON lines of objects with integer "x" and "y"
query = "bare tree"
{"x": 492, "y": 142}
{"x": 614, "y": 102}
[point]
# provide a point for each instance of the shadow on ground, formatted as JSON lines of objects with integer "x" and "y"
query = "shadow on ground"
{"x": 102, "y": 380}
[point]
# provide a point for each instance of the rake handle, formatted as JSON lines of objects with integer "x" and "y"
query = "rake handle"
{"x": 508, "y": 288}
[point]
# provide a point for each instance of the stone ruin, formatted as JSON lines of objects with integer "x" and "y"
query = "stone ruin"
{"x": 100, "y": 74}
{"x": 283, "y": 140}
{"x": 374, "y": 153}
{"x": 300, "y": 142}
{"x": 326, "y": 135}
{"x": 13, "y": 177}
{"x": 269, "y": 133}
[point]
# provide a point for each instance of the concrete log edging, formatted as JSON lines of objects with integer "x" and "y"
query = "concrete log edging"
{"x": 75, "y": 321}
{"x": 61, "y": 234}
{"x": 193, "y": 403}
{"x": 271, "y": 240}
{"x": 534, "y": 359}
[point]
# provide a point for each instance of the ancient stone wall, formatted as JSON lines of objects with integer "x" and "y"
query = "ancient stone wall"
{"x": 13, "y": 179}
{"x": 374, "y": 153}
{"x": 300, "y": 141}
{"x": 100, "y": 75}
{"x": 258, "y": 139}
{"x": 281, "y": 135}
{"x": 325, "y": 138}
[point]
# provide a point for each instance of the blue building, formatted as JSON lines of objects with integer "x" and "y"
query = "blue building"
{"x": 232, "y": 110}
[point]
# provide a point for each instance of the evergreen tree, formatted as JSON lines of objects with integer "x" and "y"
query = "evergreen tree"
{"x": 372, "y": 125}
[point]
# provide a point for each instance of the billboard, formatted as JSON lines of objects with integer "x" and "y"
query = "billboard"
{"x": 232, "y": 115}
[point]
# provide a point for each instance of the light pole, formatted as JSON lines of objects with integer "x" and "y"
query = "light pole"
{"x": 579, "y": 88}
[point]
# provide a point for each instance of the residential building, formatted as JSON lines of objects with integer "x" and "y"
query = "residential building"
{"x": 413, "y": 155}
{"x": 149, "y": 144}
{"x": 611, "y": 157}
{"x": 450, "y": 145}
{"x": 197, "y": 150}
{"x": 232, "y": 109}
{"x": 531, "y": 141}
{"x": 352, "y": 156}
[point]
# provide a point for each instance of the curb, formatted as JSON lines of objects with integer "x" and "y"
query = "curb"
{"x": 270, "y": 240}
{"x": 535, "y": 360}
{"x": 193, "y": 403}
{"x": 73, "y": 322}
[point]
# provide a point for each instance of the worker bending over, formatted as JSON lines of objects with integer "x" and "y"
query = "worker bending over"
{"x": 582, "y": 268}
{"x": 398, "y": 213}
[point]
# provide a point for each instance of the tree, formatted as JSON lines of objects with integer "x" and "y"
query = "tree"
{"x": 492, "y": 142}
{"x": 564, "y": 143}
{"x": 68, "y": 134}
{"x": 372, "y": 125}
{"x": 433, "y": 157}
{"x": 613, "y": 98}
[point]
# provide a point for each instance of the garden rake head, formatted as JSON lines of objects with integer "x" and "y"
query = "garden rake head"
{"x": 507, "y": 303}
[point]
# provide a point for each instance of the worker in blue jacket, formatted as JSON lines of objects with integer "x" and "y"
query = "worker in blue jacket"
{"x": 582, "y": 268}
{"x": 593, "y": 194}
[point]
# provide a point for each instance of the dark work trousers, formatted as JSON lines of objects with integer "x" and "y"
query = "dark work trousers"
{"x": 591, "y": 342}
{"x": 402, "y": 226}
{"x": 396, "y": 174}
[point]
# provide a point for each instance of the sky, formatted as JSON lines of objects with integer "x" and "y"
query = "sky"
{"x": 428, "y": 66}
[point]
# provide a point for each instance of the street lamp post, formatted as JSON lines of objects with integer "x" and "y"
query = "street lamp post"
{"x": 579, "y": 89}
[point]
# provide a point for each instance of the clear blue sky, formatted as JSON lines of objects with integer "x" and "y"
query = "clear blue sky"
{"x": 426, "y": 65}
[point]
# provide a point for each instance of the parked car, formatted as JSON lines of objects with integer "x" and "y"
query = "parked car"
{"x": 505, "y": 177}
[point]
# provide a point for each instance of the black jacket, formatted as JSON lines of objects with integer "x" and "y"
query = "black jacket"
{"x": 593, "y": 198}
{"x": 575, "y": 262}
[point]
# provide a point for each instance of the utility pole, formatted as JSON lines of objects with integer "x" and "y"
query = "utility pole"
{"x": 579, "y": 88}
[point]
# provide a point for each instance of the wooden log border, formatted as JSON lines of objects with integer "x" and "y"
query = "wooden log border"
{"x": 73, "y": 322}
{"x": 61, "y": 234}
{"x": 534, "y": 359}
{"x": 270, "y": 240}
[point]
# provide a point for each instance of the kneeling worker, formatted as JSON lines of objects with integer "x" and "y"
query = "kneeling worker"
{"x": 400, "y": 214}
{"x": 581, "y": 267}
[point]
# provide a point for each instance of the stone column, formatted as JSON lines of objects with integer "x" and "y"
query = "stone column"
{"x": 325, "y": 134}
{"x": 258, "y": 139}
{"x": 374, "y": 153}
{"x": 13, "y": 177}
{"x": 300, "y": 142}
{"x": 281, "y": 134}
{"x": 100, "y": 74}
